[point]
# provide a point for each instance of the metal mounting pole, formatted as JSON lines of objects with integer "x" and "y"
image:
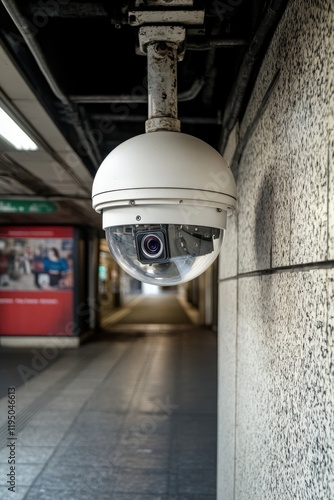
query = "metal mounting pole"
{"x": 164, "y": 46}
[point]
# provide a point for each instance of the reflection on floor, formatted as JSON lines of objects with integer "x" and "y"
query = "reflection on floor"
{"x": 130, "y": 417}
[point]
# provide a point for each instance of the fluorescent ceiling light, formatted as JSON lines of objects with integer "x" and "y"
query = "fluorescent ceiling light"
{"x": 14, "y": 134}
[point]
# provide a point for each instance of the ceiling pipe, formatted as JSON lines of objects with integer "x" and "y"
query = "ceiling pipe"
{"x": 184, "y": 96}
{"x": 88, "y": 130}
{"x": 30, "y": 40}
{"x": 199, "y": 43}
{"x": 35, "y": 49}
{"x": 187, "y": 95}
{"x": 141, "y": 118}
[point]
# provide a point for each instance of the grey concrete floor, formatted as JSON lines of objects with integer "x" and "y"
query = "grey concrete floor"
{"x": 132, "y": 417}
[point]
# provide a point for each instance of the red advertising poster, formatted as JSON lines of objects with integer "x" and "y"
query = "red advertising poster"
{"x": 36, "y": 280}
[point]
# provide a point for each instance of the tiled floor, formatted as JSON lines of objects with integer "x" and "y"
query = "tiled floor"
{"x": 129, "y": 418}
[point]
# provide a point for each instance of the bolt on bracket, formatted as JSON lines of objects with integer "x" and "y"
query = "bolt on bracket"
{"x": 156, "y": 34}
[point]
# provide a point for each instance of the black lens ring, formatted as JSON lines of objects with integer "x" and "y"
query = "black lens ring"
{"x": 145, "y": 252}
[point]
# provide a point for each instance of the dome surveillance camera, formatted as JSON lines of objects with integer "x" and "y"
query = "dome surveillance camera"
{"x": 164, "y": 197}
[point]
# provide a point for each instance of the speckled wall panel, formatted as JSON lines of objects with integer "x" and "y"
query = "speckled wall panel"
{"x": 226, "y": 388}
{"x": 285, "y": 432}
{"x": 283, "y": 178}
{"x": 331, "y": 195}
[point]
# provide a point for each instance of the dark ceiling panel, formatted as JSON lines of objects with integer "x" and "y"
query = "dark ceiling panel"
{"x": 82, "y": 62}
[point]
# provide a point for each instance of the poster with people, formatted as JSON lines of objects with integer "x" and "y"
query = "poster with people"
{"x": 36, "y": 280}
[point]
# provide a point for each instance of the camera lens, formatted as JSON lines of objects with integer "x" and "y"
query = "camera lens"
{"x": 151, "y": 246}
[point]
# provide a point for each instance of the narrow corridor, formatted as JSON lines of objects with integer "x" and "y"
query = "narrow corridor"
{"x": 129, "y": 417}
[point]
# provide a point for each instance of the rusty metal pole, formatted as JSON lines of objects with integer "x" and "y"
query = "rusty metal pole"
{"x": 162, "y": 47}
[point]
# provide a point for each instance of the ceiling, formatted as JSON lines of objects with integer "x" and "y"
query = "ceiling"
{"x": 72, "y": 75}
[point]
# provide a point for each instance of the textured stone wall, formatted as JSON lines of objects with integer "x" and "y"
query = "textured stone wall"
{"x": 276, "y": 290}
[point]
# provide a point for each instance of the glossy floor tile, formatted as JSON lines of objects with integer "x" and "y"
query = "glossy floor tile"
{"x": 122, "y": 418}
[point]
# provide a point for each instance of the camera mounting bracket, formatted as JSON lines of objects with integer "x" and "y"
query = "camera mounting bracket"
{"x": 164, "y": 46}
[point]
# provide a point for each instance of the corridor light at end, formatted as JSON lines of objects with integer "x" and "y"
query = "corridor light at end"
{"x": 12, "y": 133}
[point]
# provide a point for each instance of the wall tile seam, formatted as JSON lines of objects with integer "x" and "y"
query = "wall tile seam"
{"x": 235, "y": 458}
{"x": 244, "y": 139}
{"x": 328, "y": 201}
{"x": 257, "y": 95}
{"x": 282, "y": 270}
{"x": 248, "y": 127}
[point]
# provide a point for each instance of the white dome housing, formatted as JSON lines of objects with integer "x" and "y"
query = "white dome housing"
{"x": 164, "y": 198}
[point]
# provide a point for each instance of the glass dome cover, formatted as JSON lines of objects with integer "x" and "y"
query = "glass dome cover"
{"x": 164, "y": 254}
